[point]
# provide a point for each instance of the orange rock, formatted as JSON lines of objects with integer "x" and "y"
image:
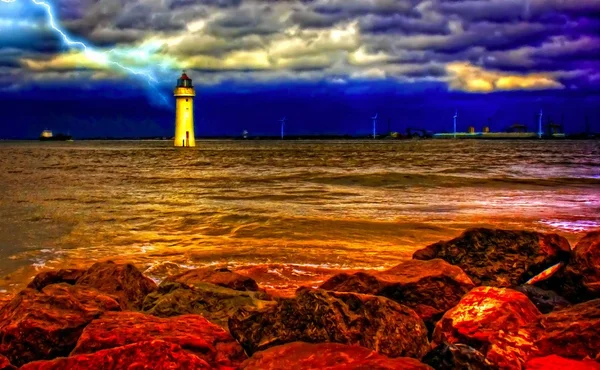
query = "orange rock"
{"x": 554, "y": 362}
{"x": 43, "y": 325}
{"x": 192, "y": 332}
{"x": 501, "y": 258}
{"x": 491, "y": 320}
{"x": 327, "y": 356}
{"x": 124, "y": 281}
{"x": 156, "y": 354}
{"x": 573, "y": 332}
{"x": 46, "y": 278}
{"x": 5, "y": 364}
{"x": 221, "y": 276}
{"x": 429, "y": 287}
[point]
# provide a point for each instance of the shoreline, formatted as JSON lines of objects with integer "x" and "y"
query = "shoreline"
{"x": 492, "y": 298}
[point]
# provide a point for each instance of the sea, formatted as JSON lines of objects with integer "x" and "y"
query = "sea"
{"x": 287, "y": 213}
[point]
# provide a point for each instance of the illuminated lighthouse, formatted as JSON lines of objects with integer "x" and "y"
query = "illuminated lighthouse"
{"x": 184, "y": 112}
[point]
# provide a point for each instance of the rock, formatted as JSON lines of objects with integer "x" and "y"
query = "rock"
{"x": 457, "y": 356}
{"x": 327, "y": 356}
{"x": 5, "y": 364}
{"x": 151, "y": 355}
{"x": 428, "y": 287}
{"x": 489, "y": 320}
{"x": 573, "y": 332}
{"x": 560, "y": 363}
{"x": 124, "y": 281}
{"x": 221, "y": 276}
{"x": 579, "y": 281}
{"x": 192, "y": 332}
{"x": 500, "y": 258}
{"x": 43, "y": 325}
{"x": 215, "y": 303}
{"x": 545, "y": 300}
{"x": 160, "y": 270}
{"x": 46, "y": 278}
{"x": 319, "y": 316}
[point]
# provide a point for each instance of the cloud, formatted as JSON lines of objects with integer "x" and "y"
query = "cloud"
{"x": 466, "y": 77}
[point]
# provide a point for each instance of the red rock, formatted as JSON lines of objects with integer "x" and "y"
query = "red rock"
{"x": 327, "y": 356}
{"x": 124, "y": 281}
{"x": 46, "y": 278}
{"x": 320, "y": 316}
{"x": 457, "y": 357}
{"x": 429, "y": 287}
{"x": 149, "y": 355}
{"x": 5, "y": 364}
{"x": 42, "y": 325}
{"x": 491, "y": 320}
{"x": 501, "y": 258}
{"x": 192, "y": 332}
{"x": 573, "y": 332}
{"x": 221, "y": 276}
{"x": 560, "y": 363}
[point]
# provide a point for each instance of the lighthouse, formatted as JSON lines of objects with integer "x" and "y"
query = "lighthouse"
{"x": 184, "y": 112}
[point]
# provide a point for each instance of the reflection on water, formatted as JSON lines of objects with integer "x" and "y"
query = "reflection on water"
{"x": 282, "y": 212}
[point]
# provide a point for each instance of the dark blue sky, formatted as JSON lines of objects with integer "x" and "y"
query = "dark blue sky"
{"x": 107, "y": 67}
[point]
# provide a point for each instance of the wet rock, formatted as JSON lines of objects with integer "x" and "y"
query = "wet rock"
{"x": 215, "y": 303}
{"x": 579, "y": 280}
{"x": 220, "y": 276}
{"x": 500, "y": 258}
{"x": 457, "y": 357}
{"x": 545, "y": 300}
{"x": 192, "y": 332}
{"x": 573, "y": 332}
{"x": 320, "y": 316}
{"x": 5, "y": 364}
{"x": 560, "y": 363}
{"x": 43, "y": 325}
{"x": 46, "y": 278}
{"x": 328, "y": 356}
{"x": 490, "y": 320}
{"x": 428, "y": 287}
{"x": 151, "y": 355}
{"x": 124, "y": 281}
{"x": 161, "y": 270}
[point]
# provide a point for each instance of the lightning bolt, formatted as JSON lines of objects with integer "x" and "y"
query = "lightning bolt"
{"x": 90, "y": 52}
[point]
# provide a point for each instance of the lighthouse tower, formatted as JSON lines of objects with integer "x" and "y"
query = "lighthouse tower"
{"x": 184, "y": 112}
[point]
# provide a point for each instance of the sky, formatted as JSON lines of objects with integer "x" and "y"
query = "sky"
{"x": 108, "y": 67}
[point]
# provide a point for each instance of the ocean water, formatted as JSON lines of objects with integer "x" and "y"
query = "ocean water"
{"x": 286, "y": 213}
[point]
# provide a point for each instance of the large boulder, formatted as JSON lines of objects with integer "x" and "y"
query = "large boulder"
{"x": 545, "y": 300}
{"x": 457, "y": 357}
{"x": 215, "y": 303}
{"x": 327, "y": 356}
{"x": 5, "y": 364}
{"x": 500, "y": 258}
{"x": 320, "y": 316}
{"x": 124, "y": 281}
{"x": 573, "y": 332}
{"x": 554, "y": 362}
{"x": 579, "y": 280}
{"x": 490, "y": 320}
{"x": 220, "y": 276}
{"x": 38, "y": 325}
{"x": 428, "y": 287}
{"x": 192, "y": 332}
{"x": 43, "y": 279}
{"x": 151, "y": 355}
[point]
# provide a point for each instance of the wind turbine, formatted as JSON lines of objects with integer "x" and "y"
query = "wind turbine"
{"x": 540, "y": 125}
{"x": 282, "y": 121}
{"x": 374, "y": 118}
{"x": 455, "y": 117}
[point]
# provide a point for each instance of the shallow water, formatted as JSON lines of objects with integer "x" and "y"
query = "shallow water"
{"x": 286, "y": 213}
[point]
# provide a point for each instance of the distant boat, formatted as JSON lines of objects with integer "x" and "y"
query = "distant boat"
{"x": 47, "y": 135}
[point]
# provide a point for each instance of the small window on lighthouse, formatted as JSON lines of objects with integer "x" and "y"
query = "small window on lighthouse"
{"x": 186, "y": 99}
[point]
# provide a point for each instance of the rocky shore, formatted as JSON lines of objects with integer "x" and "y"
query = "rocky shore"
{"x": 489, "y": 299}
